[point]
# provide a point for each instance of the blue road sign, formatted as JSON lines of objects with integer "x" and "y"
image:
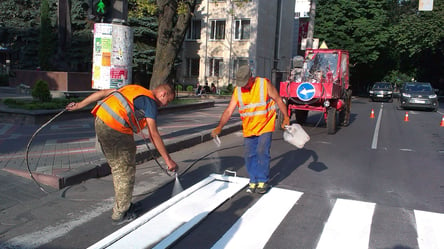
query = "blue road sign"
{"x": 305, "y": 91}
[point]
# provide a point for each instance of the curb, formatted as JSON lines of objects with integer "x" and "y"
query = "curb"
{"x": 11, "y": 115}
{"x": 78, "y": 175}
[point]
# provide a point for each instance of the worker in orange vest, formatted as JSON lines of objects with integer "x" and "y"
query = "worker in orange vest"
{"x": 121, "y": 113}
{"x": 256, "y": 99}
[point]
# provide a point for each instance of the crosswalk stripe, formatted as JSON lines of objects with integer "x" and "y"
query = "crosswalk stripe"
{"x": 169, "y": 221}
{"x": 430, "y": 228}
{"x": 258, "y": 223}
{"x": 348, "y": 225}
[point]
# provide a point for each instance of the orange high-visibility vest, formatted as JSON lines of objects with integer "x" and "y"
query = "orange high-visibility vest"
{"x": 257, "y": 110}
{"x": 117, "y": 110}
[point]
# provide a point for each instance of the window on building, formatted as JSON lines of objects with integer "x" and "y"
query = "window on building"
{"x": 242, "y": 29}
{"x": 217, "y": 29}
{"x": 192, "y": 67}
{"x": 193, "y": 32}
{"x": 216, "y": 66}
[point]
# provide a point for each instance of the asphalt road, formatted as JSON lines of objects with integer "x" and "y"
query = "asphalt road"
{"x": 384, "y": 169}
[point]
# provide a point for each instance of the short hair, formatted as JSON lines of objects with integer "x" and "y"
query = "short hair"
{"x": 168, "y": 88}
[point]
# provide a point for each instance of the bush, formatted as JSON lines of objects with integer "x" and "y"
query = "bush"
{"x": 56, "y": 103}
{"x": 4, "y": 80}
{"x": 179, "y": 87}
{"x": 41, "y": 92}
{"x": 190, "y": 88}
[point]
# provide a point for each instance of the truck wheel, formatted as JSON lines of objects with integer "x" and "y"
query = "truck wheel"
{"x": 331, "y": 121}
{"x": 344, "y": 114}
{"x": 301, "y": 116}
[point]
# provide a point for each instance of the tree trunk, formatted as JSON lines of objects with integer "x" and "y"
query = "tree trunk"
{"x": 171, "y": 32}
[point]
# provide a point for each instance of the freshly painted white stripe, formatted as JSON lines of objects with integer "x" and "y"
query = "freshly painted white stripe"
{"x": 348, "y": 225}
{"x": 255, "y": 227}
{"x": 430, "y": 228}
{"x": 167, "y": 222}
{"x": 376, "y": 133}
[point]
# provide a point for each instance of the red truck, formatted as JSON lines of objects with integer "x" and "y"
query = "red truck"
{"x": 319, "y": 82}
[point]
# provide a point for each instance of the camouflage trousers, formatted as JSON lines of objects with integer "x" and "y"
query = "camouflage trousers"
{"x": 120, "y": 152}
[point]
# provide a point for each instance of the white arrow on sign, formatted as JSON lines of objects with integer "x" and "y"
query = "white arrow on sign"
{"x": 305, "y": 91}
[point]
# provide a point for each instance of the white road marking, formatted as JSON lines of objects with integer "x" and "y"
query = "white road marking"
{"x": 430, "y": 229}
{"x": 378, "y": 125}
{"x": 348, "y": 225}
{"x": 48, "y": 234}
{"x": 169, "y": 221}
{"x": 266, "y": 214}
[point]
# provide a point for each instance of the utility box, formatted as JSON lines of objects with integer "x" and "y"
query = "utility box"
{"x": 112, "y": 56}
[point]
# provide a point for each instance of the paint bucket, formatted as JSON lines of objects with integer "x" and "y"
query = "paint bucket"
{"x": 296, "y": 135}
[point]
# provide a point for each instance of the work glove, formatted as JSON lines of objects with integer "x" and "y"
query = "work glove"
{"x": 216, "y": 132}
{"x": 285, "y": 122}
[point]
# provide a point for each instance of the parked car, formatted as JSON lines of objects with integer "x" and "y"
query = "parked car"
{"x": 381, "y": 91}
{"x": 419, "y": 95}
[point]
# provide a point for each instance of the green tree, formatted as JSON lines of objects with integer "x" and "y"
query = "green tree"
{"x": 361, "y": 27}
{"x": 19, "y": 31}
{"x": 418, "y": 37}
{"x": 173, "y": 18}
{"x": 46, "y": 41}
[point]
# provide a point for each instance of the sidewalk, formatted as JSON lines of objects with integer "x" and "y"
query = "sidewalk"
{"x": 64, "y": 153}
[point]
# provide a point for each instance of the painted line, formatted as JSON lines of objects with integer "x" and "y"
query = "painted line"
{"x": 430, "y": 229}
{"x": 70, "y": 141}
{"x": 45, "y": 235}
{"x": 348, "y": 226}
{"x": 266, "y": 214}
{"x": 378, "y": 125}
{"x": 167, "y": 222}
{"x": 5, "y": 128}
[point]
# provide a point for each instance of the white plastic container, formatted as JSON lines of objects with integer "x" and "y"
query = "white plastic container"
{"x": 296, "y": 135}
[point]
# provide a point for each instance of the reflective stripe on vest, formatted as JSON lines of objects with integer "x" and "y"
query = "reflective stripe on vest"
{"x": 129, "y": 112}
{"x": 258, "y": 111}
{"x": 117, "y": 109}
{"x": 262, "y": 102}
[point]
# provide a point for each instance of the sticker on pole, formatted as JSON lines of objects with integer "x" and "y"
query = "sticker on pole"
{"x": 305, "y": 91}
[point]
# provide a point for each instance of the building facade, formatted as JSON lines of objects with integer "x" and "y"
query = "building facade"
{"x": 225, "y": 34}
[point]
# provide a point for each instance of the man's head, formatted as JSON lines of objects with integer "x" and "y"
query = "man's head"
{"x": 243, "y": 75}
{"x": 164, "y": 93}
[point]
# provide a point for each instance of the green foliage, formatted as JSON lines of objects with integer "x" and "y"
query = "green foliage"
{"x": 4, "y": 80}
{"x": 57, "y": 103}
{"x": 47, "y": 37}
{"x": 230, "y": 88}
{"x": 397, "y": 78}
{"x": 40, "y": 91}
{"x": 190, "y": 88}
{"x": 179, "y": 87}
{"x": 19, "y": 30}
{"x": 384, "y": 38}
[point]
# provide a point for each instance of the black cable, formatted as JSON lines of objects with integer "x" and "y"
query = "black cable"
{"x": 29, "y": 145}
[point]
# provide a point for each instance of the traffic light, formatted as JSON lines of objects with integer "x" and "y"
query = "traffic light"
{"x": 101, "y": 8}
